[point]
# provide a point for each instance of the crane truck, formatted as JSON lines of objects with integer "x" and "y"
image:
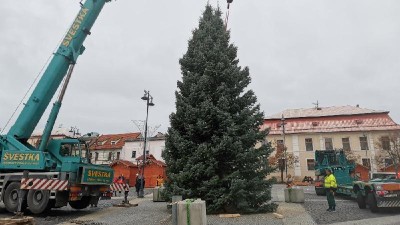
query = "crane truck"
{"x": 57, "y": 172}
{"x": 376, "y": 193}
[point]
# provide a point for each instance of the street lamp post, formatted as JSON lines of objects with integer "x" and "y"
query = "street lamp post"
{"x": 149, "y": 102}
{"x": 284, "y": 143}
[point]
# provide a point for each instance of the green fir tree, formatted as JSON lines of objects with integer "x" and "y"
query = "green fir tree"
{"x": 210, "y": 146}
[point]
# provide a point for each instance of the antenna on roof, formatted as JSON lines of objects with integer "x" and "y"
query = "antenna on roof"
{"x": 317, "y": 106}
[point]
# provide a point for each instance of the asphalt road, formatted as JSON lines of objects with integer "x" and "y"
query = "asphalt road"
{"x": 346, "y": 209}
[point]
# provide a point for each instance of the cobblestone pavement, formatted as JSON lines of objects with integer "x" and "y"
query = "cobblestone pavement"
{"x": 294, "y": 214}
{"x": 313, "y": 211}
{"x": 346, "y": 210}
{"x": 156, "y": 213}
{"x": 149, "y": 213}
{"x": 64, "y": 214}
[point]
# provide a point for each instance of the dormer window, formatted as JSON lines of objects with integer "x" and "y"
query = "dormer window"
{"x": 113, "y": 142}
{"x": 99, "y": 143}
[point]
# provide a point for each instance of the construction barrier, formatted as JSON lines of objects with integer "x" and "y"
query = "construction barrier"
{"x": 44, "y": 184}
{"x": 119, "y": 187}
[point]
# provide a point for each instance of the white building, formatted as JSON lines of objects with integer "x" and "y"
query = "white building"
{"x": 133, "y": 148}
{"x": 108, "y": 147}
{"x": 56, "y": 133}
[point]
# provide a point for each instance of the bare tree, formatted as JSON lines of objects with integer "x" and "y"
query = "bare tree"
{"x": 279, "y": 161}
{"x": 351, "y": 156}
{"x": 389, "y": 148}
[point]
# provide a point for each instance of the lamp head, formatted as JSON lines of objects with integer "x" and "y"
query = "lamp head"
{"x": 144, "y": 97}
{"x": 151, "y": 102}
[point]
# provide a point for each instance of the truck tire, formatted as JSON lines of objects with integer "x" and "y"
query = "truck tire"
{"x": 361, "y": 200}
{"x": 38, "y": 201}
{"x": 11, "y": 197}
{"x": 372, "y": 203}
{"x": 80, "y": 204}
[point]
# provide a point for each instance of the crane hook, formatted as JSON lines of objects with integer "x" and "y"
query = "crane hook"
{"x": 227, "y": 14}
{"x": 229, "y": 2}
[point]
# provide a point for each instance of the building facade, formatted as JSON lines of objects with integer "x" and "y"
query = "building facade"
{"x": 59, "y": 133}
{"x": 107, "y": 148}
{"x": 133, "y": 148}
{"x": 302, "y": 131}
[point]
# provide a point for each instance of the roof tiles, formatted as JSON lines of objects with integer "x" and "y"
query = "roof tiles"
{"x": 324, "y": 111}
{"x": 112, "y": 141}
{"x": 331, "y": 119}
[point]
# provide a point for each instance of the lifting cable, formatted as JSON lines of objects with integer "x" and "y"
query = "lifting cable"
{"x": 34, "y": 81}
{"x": 227, "y": 14}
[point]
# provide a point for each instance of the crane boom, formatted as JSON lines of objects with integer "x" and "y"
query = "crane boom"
{"x": 59, "y": 171}
{"x": 68, "y": 52}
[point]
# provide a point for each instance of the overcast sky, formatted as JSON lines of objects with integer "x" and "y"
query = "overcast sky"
{"x": 342, "y": 52}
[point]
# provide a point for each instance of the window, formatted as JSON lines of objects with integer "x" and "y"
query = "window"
{"x": 309, "y": 145}
{"x": 71, "y": 150}
{"x": 385, "y": 143}
{"x": 91, "y": 155}
{"x": 133, "y": 154}
{"x": 109, "y": 155}
{"x": 328, "y": 144}
{"x": 364, "y": 143}
{"x": 118, "y": 155}
{"x": 279, "y": 146}
{"x": 388, "y": 162}
{"x": 99, "y": 143}
{"x": 96, "y": 156}
{"x": 113, "y": 142}
{"x": 346, "y": 143}
{"x": 310, "y": 164}
{"x": 366, "y": 163}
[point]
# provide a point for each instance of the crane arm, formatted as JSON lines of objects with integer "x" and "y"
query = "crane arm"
{"x": 67, "y": 54}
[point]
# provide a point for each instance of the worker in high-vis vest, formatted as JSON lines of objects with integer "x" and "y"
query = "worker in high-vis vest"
{"x": 330, "y": 187}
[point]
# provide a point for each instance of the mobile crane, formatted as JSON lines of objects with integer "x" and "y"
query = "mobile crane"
{"x": 58, "y": 172}
{"x": 376, "y": 193}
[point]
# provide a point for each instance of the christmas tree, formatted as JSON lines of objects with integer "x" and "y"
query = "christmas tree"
{"x": 210, "y": 146}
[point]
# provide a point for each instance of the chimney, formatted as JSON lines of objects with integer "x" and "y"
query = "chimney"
{"x": 358, "y": 106}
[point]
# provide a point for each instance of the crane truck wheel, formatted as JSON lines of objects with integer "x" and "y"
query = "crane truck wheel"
{"x": 361, "y": 200}
{"x": 80, "y": 204}
{"x": 372, "y": 203}
{"x": 11, "y": 197}
{"x": 38, "y": 201}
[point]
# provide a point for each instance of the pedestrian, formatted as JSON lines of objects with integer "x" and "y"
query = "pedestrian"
{"x": 137, "y": 184}
{"x": 160, "y": 181}
{"x": 330, "y": 188}
{"x": 289, "y": 181}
